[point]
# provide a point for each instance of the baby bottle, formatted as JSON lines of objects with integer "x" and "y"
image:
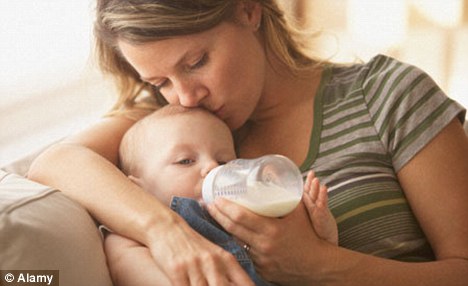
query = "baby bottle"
{"x": 270, "y": 185}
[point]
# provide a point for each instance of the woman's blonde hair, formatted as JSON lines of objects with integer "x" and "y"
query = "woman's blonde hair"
{"x": 140, "y": 21}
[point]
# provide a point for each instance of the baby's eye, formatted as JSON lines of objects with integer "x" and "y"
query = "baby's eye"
{"x": 222, "y": 162}
{"x": 185, "y": 161}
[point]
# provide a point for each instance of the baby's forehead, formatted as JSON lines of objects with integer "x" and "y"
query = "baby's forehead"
{"x": 173, "y": 109}
{"x": 190, "y": 123}
{"x": 177, "y": 119}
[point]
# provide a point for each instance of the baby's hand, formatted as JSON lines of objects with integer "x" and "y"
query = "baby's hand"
{"x": 315, "y": 198}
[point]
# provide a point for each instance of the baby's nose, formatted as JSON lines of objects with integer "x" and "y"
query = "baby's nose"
{"x": 209, "y": 166}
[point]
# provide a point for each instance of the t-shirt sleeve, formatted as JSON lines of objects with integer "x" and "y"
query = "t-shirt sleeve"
{"x": 407, "y": 107}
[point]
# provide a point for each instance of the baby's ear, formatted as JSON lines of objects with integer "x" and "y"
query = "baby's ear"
{"x": 136, "y": 180}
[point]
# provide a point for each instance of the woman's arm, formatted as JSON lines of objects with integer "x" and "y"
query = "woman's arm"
{"x": 436, "y": 184}
{"x": 83, "y": 167}
{"x": 130, "y": 263}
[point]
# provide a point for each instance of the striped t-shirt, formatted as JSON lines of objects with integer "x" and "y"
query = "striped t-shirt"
{"x": 369, "y": 121}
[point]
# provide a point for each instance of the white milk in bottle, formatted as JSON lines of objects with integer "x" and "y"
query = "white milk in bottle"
{"x": 270, "y": 185}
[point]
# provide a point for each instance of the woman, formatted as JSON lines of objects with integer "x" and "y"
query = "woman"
{"x": 384, "y": 138}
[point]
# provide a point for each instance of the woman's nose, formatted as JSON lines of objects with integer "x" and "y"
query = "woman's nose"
{"x": 190, "y": 94}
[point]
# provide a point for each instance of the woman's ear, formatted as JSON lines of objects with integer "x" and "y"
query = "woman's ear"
{"x": 249, "y": 13}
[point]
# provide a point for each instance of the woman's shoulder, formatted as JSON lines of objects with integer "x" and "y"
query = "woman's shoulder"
{"x": 360, "y": 71}
{"x": 381, "y": 73}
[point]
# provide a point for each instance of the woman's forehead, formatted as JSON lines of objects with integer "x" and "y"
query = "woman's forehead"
{"x": 167, "y": 53}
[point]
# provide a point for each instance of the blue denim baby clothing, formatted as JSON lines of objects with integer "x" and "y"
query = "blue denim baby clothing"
{"x": 200, "y": 220}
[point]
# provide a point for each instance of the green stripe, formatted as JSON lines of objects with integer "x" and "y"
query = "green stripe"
{"x": 374, "y": 73}
{"x": 390, "y": 94}
{"x": 397, "y": 104}
{"x": 351, "y": 166}
{"x": 354, "y": 98}
{"x": 351, "y": 94}
{"x": 381, "y": 157}
{"x": 411, "y": 112}
{"x": 360, "y": 196}
{"x": 370, "y": 212}
{"x": 363, "y": 159}
{"x": 348, "y": 145}
{"x": 346, "y": 118}
{"x": 381, "y": 228}
{"x": 421, "y": 128}
{"x": 383, "y": 83}
{"x": 347, "y": 131}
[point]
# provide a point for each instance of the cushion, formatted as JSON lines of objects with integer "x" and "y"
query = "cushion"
{"x": 21, "y": 165}
{"x": 42, "y": 229}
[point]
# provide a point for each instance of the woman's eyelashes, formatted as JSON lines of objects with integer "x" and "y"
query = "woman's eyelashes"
{"x": 191, "y": 67}
{"x": 160, "y": 85}
{"x": 199, "y": 63}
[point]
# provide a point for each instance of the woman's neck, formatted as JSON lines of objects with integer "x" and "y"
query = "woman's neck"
{"x": 285, "y": 111}
{"x": 284, "y": 91}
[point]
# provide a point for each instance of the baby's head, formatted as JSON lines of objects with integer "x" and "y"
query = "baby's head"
{"x": 169, "y": 152}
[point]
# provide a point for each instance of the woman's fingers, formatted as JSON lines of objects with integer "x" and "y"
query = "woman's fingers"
{"x": 235, "y": 274}
{"x": 187, "y": 258}
{"x": 209, "y": 269}
{"x": 236, "y": 219}
{"x": 251, "y": 229}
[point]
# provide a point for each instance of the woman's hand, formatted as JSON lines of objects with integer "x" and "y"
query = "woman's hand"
{"x": 187, "y": 258}
{"x": 284, "y": 250}
{"x": 131, "y": 263}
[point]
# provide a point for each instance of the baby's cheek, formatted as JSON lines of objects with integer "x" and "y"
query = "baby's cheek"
{"x": 187, "y": 189}
{"x": 164, "y": 197}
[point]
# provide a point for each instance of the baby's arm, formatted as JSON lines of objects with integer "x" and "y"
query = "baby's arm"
{"x": 131, "y": 263}
{"x": 316, "y": 200}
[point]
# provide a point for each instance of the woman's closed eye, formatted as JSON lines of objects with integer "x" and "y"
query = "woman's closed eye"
{"x": 199, "y": 63}
{"x": 159, "y": 85}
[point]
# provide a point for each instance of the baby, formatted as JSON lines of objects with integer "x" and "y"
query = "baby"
{"x": 170, "y": 152}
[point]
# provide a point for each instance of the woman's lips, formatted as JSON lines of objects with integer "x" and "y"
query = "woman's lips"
{"x": 219, "y": 112}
